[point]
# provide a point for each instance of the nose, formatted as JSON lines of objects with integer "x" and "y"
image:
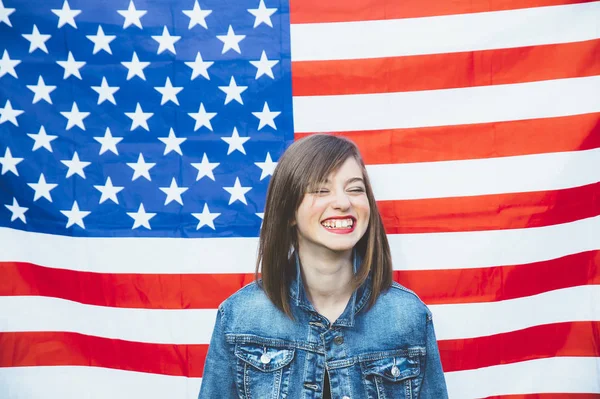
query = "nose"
{"x": 341, "y": 200}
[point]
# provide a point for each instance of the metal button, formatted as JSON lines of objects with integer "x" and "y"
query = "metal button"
{"x": 338, "y": 340}
{"x": 395, "y": 371}
{"x": 346, "y": 397}
{"x": 265, "y": 359}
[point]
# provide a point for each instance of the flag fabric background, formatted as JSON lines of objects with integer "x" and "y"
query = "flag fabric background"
{"x": 137, "y": 139}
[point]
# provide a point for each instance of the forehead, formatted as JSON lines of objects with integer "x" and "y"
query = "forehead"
{"x": 348, "y": 169}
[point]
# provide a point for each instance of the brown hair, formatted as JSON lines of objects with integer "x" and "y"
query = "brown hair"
{"x": 306, "y": 163}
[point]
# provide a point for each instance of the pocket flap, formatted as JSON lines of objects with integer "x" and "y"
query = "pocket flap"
{"x": 393, "y": 368}
{"x": 264, "y": 358}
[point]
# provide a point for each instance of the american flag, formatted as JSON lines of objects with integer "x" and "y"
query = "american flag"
{"x": 137, "y": 139}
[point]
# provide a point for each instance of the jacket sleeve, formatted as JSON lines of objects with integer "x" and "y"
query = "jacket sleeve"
{"x": 434, "y": 383}
{"x": 218, "y": 378}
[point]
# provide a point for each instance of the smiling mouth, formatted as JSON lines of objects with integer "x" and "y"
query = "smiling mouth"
{"x": 339, "y": 224}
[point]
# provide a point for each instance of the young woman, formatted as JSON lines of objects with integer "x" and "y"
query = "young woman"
{"x": 326, "y": 320}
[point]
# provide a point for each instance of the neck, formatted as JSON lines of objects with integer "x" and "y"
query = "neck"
{"x": 327, "y": 280}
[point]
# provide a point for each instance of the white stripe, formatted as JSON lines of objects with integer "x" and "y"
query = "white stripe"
{"x": 481, "y": 104}
{"x": 517, "y": 174}
{"x": 552, "y": 375}
{"x": 426, "y": 251}
{"x": 558, "y": 374}
{"x": 195, "y": 326}
{"x": 445, "y": 34}
{"x": 68, "y": 382}
{"x": 471, "y": 320}
{"x": 160, "y": 326}
{"x": 473, "y": 249}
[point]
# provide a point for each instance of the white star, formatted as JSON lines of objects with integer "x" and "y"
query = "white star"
{"x": 105, "y": 92}
{"x": 237, "y": 192}
{"x": 18, "y": 212}
{"x": 206, "y": 218}
{"x": 202, "y": 118}
{"x": 109, "y": 192}
{"x": 42, "y": 189}
{"x": 9, "y": 163}
{"x": 261, "y": 215}
{"x": 169, "y": 93}
{"x": 37, "y": 40}
{"x": 101, "y": 41}
{"x": 199, "y": 67}
{"x": 41, "y": 139}
{"x": 172, "y": 143}
{"x": 76, "y": 166}
{"x": 262, "y": 14}
{"x": 132, "y": 16}
{"x": 75, "y": 117}
{"x": 205, "y": 168}
{"x": 166, "y": 41}
{"x": 75, "y": 216}
{"x": 41, "y": 91}
{"x": 197, "y": 16}
{"x": 108, "y": 142}
{"x": 9, "y": 114}
{"x": 139, "y": 118}
{"x": 233, "y": 91}
{"x": 135, "y": 67}
{"x": 268, "y": 167}
{"x": 7, "y": 65}
{"x": 71, "y": 66}
{"x": 66, "y": 15}
{"x": 141, "y": 218}
{"x": 235, "y": 142}
{"x": 231, "y": 41}
{"x": 4, "y": 13}
{"x": 264, "y": 66}
{"x": 173, "y": 192}
{"x": 141, "y": 168}
{"x": 267, "y": 117}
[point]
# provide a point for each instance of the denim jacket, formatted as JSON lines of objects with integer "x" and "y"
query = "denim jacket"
{"x": 389, "y": 351}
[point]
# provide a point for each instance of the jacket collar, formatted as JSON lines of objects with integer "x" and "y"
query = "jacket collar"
{"x": 357, "y": 301}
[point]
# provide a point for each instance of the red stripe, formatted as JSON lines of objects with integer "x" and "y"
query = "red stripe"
{"x": 491, "y": 212}
{"x": 550, "y": 340}
{"x": 23, "y": 349}
{"x": 315, "y": 11}
{"x": 432, "y": 72}
{"x": 207, "y": 291}
{"x": 477, "y": 141}
{"x": 121, "y": 290}
{"x": 491, "y": 284}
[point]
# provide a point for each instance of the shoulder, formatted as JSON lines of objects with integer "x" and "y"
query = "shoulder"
{"x": 400, "y": 299}
{"x": 250, "y": 295}
{"x": 249, "y": 306}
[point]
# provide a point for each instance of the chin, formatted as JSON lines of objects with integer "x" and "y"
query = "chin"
{"x": 340, "y": 246}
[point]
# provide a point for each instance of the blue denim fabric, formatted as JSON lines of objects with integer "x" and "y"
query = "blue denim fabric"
{"x": 389, "y": 351}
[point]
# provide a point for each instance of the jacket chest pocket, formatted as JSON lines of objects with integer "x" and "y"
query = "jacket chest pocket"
{"x": 263, "y": 371}
{"x": 393, "y": 376}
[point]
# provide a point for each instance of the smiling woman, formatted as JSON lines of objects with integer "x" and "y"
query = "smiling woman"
{"x": 325, "y": 319}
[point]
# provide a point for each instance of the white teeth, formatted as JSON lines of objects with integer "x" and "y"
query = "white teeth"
{"x": 338, "y": 223}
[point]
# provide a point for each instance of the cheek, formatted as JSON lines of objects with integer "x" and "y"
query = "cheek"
{"x": 363, "y": 206}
